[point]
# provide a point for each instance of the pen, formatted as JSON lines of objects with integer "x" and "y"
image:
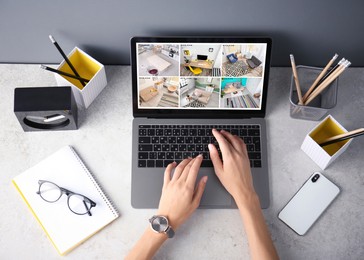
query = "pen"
{"x": 63, "y": 73}
{"x": 342, "y": 137}
{"x": 295, "y": 76}
{"x": 315, "y": 83}
{"x": 66, "y": 59}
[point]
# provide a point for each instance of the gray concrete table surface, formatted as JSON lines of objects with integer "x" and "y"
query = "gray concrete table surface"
{"x": 103, "y": 141}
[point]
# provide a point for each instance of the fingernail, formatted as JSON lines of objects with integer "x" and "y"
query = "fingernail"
{"x": 204, "y": 179}
{"x": 210, "y": 146}
{"x": 200, "y": 155}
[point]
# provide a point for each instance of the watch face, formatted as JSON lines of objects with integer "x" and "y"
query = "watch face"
{"x": 159, "y": 224}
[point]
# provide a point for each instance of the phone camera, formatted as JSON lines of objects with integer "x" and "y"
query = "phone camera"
{"x": 315, "y": 177}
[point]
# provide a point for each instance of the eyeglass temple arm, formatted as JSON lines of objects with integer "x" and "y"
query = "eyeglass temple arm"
{"x": 88, "y": 211}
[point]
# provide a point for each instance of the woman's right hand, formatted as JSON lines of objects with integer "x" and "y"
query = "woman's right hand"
{"x": 234, "y": 172}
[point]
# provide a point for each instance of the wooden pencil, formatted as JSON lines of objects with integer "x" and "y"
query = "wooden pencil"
{"x": 319, "y": 77}
{"x": 295, "y": 76}
{"x": 327, "y": 82}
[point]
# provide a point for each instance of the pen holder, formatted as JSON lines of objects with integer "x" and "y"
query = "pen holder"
{"x": 88, "y": 68}
{"x": 45, "y": 108}
{"x": 323, "y": 156}
{"x": 320, "y": 106}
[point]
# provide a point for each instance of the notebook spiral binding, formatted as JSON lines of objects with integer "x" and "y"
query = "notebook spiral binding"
{"x": 97, "y": 185}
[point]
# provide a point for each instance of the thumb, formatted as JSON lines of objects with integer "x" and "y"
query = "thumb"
{"x": 199, "y": 191}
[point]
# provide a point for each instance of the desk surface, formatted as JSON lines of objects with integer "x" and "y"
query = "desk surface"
{"x": 104, "y": 141}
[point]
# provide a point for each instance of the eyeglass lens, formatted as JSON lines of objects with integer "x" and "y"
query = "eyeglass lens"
{"x": 50, "y": 192}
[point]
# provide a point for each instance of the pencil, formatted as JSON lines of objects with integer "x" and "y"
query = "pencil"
{"x": 63, "y": 73}
{"x": 327, "y": 82}
{"x": 66, "y": 59}
{"x": 331, "y": 71}
{"x": 315, "y": 83}
{"x": 342, "y": 137}
{"x": 295, "y": 76}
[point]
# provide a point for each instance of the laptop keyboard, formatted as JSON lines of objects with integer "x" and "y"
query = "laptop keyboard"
{"x": 160, "y": 145}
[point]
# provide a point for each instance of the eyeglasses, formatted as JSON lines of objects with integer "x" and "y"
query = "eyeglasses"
{"x": 77, "y": 203}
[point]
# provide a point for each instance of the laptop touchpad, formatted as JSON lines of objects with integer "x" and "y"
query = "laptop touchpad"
{"x": 215, "y": 194}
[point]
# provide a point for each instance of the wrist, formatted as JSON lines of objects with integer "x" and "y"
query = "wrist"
{"x": 247, "y": 200}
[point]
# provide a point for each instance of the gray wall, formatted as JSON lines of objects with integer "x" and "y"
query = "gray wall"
{"x": 310, "y": 29}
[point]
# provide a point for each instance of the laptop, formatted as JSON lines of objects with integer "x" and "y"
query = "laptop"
{"x": 178, "y": 99}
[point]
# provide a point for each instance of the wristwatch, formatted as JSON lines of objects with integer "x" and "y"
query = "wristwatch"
{"x": 160, "y": 224}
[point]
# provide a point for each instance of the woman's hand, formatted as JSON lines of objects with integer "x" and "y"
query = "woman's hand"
{"x": 234, "y": 172}
{"x": 180, "y": 196}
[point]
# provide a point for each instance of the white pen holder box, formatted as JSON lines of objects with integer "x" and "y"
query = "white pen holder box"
{"x": 324, "y": 156}
{"x": 88, "y": 68}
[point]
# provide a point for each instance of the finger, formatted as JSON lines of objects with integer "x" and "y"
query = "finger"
{"x": 199, "y": 191}
{"x": 215, "y": 158}
{"x": 223, "y": 143}
{"x": 192, "y": 174}
{"x": 186, "y": 170}
{"x": 167, "y": 173}
{"x": 233, "y": 140}
{"x": 179, "y": 169}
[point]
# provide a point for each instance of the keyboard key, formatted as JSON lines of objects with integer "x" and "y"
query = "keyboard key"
{"x": 234, "y": 131}
{"x": 159, "y": 132}
{"x": 243, "y": 132}
{"x": 166, "y": 147}
{"x": 253, "y": 132}
{"x": 172, "y": 140}
{"x": 174, "y": 147}
{"x": 247, "y": 140}
{"x": 188, "y": 140}
{"x": 161, "y": 155}
{"x": 157, "y": 147}
{"x": 163, "y": 139}
{"x": 250, "y": 147}
{"x": 184, "y": 132}
{"x": 254, "y": 156}
{"x": 201, "y": 132}
{"x": 151, "y": 132}
{"x": 199, "y": 147}
{"x": 178, "y": 156}
{"x": 142, "y": 163}
{"x": 145, "y": 147}
{"x": 144, "y": 126}
{"x": 150, "y": 163}
{"x": 144, "y": 140}
{"x": 186, "y": 154}
{"x": 182, "y": 147}
{"x": 142, "y": 132}
{"x": 155, "y": 140}
{"x": 257, "y": 163}
{"x": 166, "y": 162}
{"x": 191, "y": 147}
{"x": 153, "y": 155}
{"x": 176, "y": 132}
{"x": 197, "y": 140}
{"x": 143, "y": 155}
{"x": 159, "y": 163}
{"x": 180, "y": 140}
{"x": 193, "y": 132}
{"x": 170, "y": 155}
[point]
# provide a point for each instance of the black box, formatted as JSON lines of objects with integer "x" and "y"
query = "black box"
{"x": 45, "y": 108}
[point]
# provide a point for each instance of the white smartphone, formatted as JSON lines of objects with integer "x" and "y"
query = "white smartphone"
{"x": 311, "y": 200}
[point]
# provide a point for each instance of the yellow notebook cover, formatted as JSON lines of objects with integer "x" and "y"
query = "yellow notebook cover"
{"x": 65, "y": 229}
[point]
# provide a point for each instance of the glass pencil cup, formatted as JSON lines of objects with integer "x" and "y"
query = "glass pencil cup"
{"x": 320, "y": 105}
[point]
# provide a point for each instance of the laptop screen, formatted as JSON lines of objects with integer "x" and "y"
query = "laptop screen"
{"x": 192, "y": 77}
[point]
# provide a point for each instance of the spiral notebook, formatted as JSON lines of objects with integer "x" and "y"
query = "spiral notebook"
{"x": 64, "y": 228}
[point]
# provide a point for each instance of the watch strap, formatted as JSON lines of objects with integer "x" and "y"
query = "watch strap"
{"x": 170, "y": 232}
